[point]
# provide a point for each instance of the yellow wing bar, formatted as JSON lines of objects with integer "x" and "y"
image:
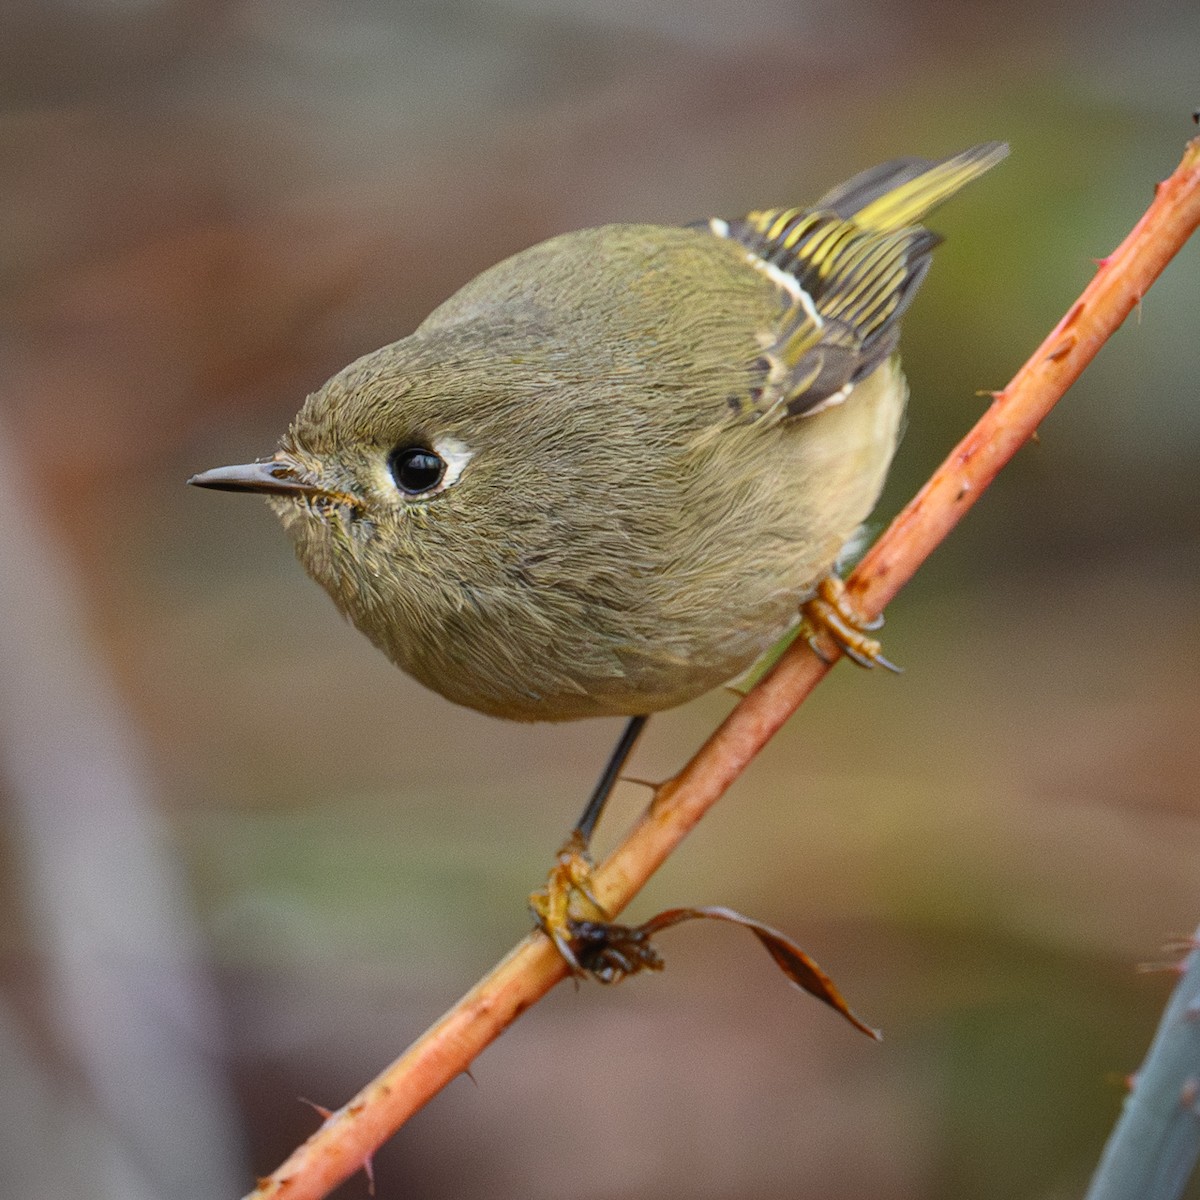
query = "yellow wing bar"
{"x": 847, "y": 268}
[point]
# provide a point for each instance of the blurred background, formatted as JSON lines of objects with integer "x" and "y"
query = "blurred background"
{"x": 243, "y": 860}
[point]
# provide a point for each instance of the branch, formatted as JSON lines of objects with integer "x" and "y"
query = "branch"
{"x": 348, "y": 1137}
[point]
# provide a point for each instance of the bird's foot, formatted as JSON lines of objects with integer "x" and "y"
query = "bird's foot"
{"x": 830, "y": 617}
{"x": 567, "y": 889}
{"x": 569, "y": 914}
{"x": 608, "y": 952}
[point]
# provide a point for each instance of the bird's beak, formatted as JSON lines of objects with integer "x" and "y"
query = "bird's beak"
{"x": 277, "y": 475}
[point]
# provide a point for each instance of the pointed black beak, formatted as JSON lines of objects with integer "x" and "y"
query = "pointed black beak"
{"x": 273, "y": 475}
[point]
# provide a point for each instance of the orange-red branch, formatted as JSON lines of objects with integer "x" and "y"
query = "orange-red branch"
{"x": 349, "y": 1136}
{"x": 1121, "y": 281}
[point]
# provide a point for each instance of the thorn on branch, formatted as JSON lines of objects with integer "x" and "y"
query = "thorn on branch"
{"x": 1161, "y": 968}
{"x": 1072, "y": 314}
{"x": 1180, "y": 945}
{"x": 1062, "y": 349}
{"x": 637, "y": 781}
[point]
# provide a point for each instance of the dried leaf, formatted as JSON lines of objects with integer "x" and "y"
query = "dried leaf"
{"x": 610, "y": 952}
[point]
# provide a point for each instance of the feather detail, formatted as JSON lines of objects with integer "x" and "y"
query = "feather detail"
{"x": 847, "y": 269}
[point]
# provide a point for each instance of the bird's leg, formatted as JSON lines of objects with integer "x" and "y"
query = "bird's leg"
{"x": 570, "y": 875}
{"x": 829, "y": 616}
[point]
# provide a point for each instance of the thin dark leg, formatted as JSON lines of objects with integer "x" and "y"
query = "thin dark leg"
{"x": 586, "y": 825}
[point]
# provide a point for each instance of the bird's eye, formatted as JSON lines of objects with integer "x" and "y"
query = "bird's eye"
{"x": 416, "y": 470}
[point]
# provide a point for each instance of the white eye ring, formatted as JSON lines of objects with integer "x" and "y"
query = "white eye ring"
{"x": 455, "y": 455}
{"x": 425, "y": 469}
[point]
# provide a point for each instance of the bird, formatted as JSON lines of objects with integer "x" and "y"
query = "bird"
{"x": 612, "y": 471}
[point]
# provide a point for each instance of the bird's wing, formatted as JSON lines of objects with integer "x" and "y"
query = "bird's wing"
{"x": 846, "y": 271}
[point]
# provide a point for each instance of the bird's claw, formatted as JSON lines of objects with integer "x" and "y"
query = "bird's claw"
{"x": 830, "y": 617}
{"x": 609, "y": 952}
{"x": 568, "y": 882}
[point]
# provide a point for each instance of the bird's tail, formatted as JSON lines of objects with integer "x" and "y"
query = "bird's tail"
{"x": 900, "y": 193}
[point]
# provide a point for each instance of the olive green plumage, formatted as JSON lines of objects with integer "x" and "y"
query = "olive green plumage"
{"x": 652, "y": 443}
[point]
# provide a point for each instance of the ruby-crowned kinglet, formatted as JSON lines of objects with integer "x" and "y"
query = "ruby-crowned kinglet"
{"x": 602, "y": 477}
{"x": 605, "y": 476}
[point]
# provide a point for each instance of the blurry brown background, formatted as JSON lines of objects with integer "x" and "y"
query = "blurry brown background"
{"x": 243, "y": 860}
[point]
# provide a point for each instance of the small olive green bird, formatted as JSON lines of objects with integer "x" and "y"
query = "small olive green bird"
{"x": 604, "y": 477}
